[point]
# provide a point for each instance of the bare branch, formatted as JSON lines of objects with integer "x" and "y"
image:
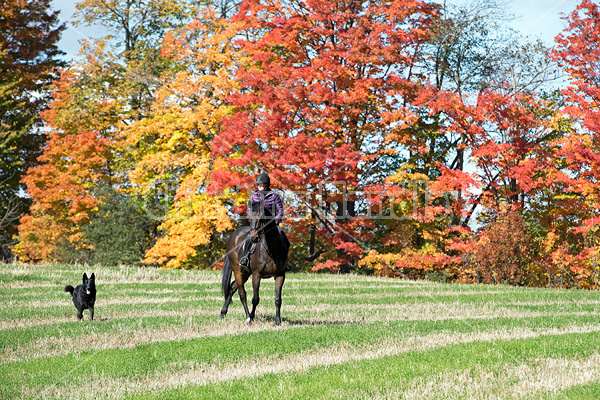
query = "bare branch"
{"x": 12, "y": 213}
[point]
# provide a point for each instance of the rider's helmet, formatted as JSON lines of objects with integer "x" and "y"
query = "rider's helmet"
{"x": 264, "y": 179}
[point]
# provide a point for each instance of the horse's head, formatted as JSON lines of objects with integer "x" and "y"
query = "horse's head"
{"x": 259, "y": 216}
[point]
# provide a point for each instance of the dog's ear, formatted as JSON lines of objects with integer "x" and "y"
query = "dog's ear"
{"x": 92, "y": 277}
{"x": 85, "y": 278}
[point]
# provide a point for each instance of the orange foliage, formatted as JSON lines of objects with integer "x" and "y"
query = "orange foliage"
{"x": 408, "y": 263}
{"x": 74, "y": 163}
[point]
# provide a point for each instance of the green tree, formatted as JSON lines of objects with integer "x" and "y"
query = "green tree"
{"x": 29, "y": 62}
{"x": 120, "y": 232}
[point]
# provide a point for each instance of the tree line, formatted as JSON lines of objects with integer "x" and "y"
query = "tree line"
{"x": 408, "y": 138}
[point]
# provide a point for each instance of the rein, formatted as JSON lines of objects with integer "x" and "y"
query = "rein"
{"x": 260, "y": 230}
{"x": 260, "y": 238}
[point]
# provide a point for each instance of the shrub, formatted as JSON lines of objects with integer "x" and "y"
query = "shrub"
{"x": 505, "y": 252}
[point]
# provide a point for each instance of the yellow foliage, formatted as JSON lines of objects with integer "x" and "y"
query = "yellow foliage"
{"x": 171, "y": 146}
{"x": 189, "y": 224}
{"x": 403, "y": 175}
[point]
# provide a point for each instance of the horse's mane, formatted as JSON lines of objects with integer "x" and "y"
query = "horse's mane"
{"x": 256, "y": 208}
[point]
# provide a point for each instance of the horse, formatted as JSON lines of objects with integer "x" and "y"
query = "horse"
{"x": 268, "y": 260}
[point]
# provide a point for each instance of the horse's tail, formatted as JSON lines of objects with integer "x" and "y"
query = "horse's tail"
{"x": 226, "y": 280}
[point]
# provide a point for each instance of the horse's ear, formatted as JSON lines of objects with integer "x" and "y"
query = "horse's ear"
{"x": 93, "y": 277}
{"x": 85, "y": 278}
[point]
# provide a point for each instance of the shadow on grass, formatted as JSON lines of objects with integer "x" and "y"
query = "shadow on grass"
{"x": 310, "y": 322}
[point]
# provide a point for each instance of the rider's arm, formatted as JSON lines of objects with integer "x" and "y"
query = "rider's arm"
{"x": 255, "y": 197}
{"x": 278, "y": 209}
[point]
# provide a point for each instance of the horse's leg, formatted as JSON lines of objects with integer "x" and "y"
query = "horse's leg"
{"x": 240, "y": 279}
{"x": 228, "y": 299}
{"x": 255, "y": 298}
{"x": 278, "y": 285}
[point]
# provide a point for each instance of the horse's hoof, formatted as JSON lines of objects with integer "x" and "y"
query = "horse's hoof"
{"x": 277, "y": 322}
{"x": 222, "y": 316}
{"x": 249, "y": 320}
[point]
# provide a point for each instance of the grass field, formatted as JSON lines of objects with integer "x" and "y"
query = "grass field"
{"x": 157, "y": 334}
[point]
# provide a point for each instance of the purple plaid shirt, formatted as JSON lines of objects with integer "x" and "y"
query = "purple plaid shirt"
{"x": 272, "y": 202}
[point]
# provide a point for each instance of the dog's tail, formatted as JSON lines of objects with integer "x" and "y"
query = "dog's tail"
{"x": 226, "y": 279}
{"x": 69, "y": 289}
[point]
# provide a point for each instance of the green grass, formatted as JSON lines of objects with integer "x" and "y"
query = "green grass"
{"x": 157, "y": 334}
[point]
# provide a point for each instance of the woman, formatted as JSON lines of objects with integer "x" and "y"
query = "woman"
{"x": 272, "y": 202}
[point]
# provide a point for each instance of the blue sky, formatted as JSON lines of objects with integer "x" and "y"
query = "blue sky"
{"x": 534, "y": 18}
{"x": 541, "y": 18}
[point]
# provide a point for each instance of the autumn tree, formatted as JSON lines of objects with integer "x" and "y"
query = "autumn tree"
{"x": 481, "y": 121}
{"x": 29, "y": 61}
{"x": 76, "y": 160}
{"x": 135, "y": 32}
{"x": 326, "y": 83}
{"x": 504, "y": 251}
{"x": 172, "y": 144}
{"x": 110, "y": 87}
{"x": 579, "y": 56}
{"x": 471, "y": 56}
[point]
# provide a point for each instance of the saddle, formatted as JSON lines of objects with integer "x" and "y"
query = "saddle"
{"x": 251, "y": 243}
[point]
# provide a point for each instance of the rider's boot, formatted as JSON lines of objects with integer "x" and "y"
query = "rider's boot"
{"x": 245, "y": 260}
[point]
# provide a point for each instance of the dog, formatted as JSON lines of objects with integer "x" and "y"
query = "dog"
{"x": 84, "y": 295}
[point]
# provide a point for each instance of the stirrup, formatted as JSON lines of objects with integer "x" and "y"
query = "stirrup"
{"x": 245, "y": 262}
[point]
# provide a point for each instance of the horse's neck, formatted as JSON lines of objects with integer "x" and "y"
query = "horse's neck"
{"x": 272, "y": 238}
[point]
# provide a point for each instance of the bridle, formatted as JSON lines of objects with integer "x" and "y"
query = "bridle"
{"x": 258, "y": 233}
{"x": 260, "y": 230}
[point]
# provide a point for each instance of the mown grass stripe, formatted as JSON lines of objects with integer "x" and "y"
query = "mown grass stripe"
{"x": 242, "y": 342}
{"x": 144, "y": 307}
{"x": 193, "y": 373}
{"x": 63, "y": 342}
{"x": 153, "y": 322}
{"x": 586, "y": 391}
{"x": 39, "y": 305}
{"x": 508, "y": 381}
{"x": 397, "y": 376}
{"x": 114, "y": 307}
